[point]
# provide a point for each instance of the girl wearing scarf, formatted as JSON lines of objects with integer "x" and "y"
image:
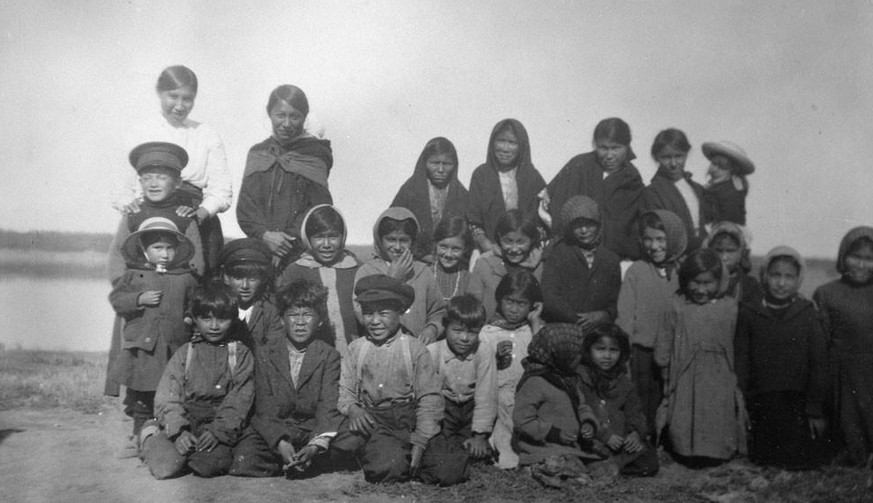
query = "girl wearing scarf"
{"x": 285, "y": 175}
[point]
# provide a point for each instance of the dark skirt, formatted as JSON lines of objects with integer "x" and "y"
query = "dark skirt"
{"x": 780, "y": 432}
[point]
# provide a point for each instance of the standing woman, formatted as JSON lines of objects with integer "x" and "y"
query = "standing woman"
{"x": 285, "y": 176}
{"x": 673, "y": 189}
{"x": 607, "y": 176}
{"x": 206, "y": 177}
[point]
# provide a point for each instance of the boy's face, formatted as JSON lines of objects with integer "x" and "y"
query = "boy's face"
{"x": 859, "y": 263}
{"x": 159, "y": 183}
{"x": 381, "y": 320}
{"x": 462, "y": 340}
{"x": 584, "y": 231}
{"x": 326, "y": 246}
{"x": 729, "y": 251}
{"x": 439, "y": 169}
{"x": 515, "y": 308}
{"x": 395, "y": 244}
{"x": 655, "y": 244}
{"x": 161, "y": 252}
{"x": 300, "y": 325}
{"x": 506, "y": 148}
{"x": 703, "y": 287}
{"x": 246, "y": 288}
{"x": 515, "y": 247}
{"x": 212, "y": 328}
{"x": 782, "y": 280}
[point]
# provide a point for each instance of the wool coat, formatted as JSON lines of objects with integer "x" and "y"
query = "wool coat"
{"x": 571, "y": 287}
{"x": 662, "y": 194}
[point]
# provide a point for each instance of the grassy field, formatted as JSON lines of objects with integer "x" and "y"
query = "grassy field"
{"x": 46, "y": 379}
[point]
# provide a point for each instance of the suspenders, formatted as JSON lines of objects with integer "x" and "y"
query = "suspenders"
{"x": 407, "y": 361}
{"x": 231, "y": 358}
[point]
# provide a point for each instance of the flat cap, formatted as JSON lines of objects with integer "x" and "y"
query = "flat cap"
{"x": 380, "y": 287}
{"x": 245, "y": 251}
{"x": 158, "y": 154}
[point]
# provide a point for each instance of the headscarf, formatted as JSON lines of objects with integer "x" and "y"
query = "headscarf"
{"x": 394, "y": 213}
{"x": 348, "y": 259}
{"x": 305, "y": 155}
{"x": 847, "y": 242}
{"x": 551, "y": 355}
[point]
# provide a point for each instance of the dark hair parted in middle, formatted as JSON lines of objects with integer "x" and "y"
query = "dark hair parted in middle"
{"x": 698, "y": 262}
{"x": 671, "y": 137}
{"x": 517, "y": 221}
{"x": 291, "y": 95}
{"x": 520, "y": 283}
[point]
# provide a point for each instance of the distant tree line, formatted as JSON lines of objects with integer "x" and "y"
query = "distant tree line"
{"x": 55, "y": 241}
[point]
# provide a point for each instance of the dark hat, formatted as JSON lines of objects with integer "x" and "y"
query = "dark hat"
{"x": 245, "y": 251}
{"x": 158, "y": 154}
{"x": 381, "y": 287}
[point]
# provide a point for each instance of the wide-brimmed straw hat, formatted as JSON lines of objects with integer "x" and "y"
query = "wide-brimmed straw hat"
{"x": 132, "y": 250}
{"x": 733, "y": 152}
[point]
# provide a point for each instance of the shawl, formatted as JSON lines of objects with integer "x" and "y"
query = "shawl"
{"x": 306, "y": 155}
{"x": 550, "y": 354}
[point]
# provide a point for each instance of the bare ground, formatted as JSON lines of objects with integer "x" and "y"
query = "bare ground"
{"x": 61, "y": 455}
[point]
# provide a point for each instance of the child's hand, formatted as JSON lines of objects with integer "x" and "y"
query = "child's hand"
{"x": 185, "y": 211}
{"x": 477, "y": 445}
{"x": 131, "y": 207}
{"x": 633, "y": 443}
{"x": 286, "y": 450}
{"x": 615, "y": 443}
{"x": 207, "y": 441}
{"x": 302, "y": 459}
{"x": 817, "y": 426}
{"x": 280, "y": 243}
{"x": 534, "y": 317}
{"x": 359, "y": 420}
{"x": 185, "y": 442}
{"x": 415, "y": 460}
{"x": 428, "y": 335}
{"x": 587, "y": 430}
{"x": 150, "y": 298}
{"x": 591, "y": 319}
{"x": 401, "y": 267}
{"x": 504, "y": 354}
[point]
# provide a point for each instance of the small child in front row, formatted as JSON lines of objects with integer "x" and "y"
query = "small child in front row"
{"x": 703, "y": 407}
{"x": 150, "y": 300}
{"x": 645, "y": 297}
{"x": 245, "y": 266}
{"x": 508, "y": 334}
{"x": 551, "y": 417}
{"x": 205, "y": 394}
{"x": 297, "y": 386}
{"x": 781, "y": 361}
{"x": 391, "y": 393}
{"x": 468, "y": 374}
{"x": 581, "y": 279}
{"x": 608, "y": 390}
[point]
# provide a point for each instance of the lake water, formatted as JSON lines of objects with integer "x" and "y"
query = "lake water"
{"x": 55, "y": 313}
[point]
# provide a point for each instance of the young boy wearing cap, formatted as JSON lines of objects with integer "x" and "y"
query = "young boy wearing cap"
{"x": 150, "y": 299}
{"x": 581, "y": 279}
{"x": 159, "y": 166}
{"x": 390, "y": 391}
{"x": 245, "y": 266}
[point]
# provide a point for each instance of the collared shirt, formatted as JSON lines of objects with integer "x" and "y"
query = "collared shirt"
{"x": 509, "y": 187}
{"x": 295, "y": 360}
{"x": 377, "y": 376}
{"x": 473, "y": 377}
{"x": 246, "y": 314}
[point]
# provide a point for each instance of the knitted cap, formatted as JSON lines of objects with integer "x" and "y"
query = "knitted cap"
{"x": 579, "y": 207}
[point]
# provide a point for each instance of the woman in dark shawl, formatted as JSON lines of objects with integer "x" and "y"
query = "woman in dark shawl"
{"x": 606, "y": 175}
{"x": 433, "y": 193}
{"x": 285, "y": 175}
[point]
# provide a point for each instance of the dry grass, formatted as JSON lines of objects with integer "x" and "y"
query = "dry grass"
{"x": 43, "y": 379}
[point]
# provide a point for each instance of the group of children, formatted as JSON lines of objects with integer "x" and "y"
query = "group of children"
{"x": 543, "y": 354}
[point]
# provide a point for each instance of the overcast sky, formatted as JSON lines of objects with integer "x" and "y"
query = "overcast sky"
{"x": 790, "y": 81}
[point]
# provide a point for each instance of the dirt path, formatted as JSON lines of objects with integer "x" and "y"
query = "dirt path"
{"x": 57, "y": 455}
